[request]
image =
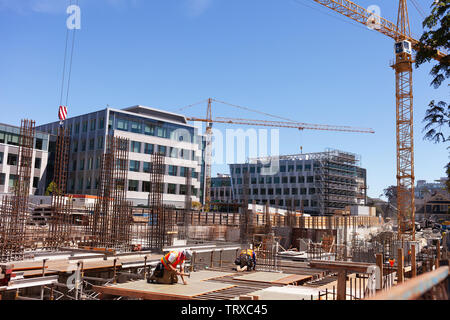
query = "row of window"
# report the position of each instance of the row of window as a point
(92, 124)
(164, 130)
(82, 146)
(13, 140)
(176, 171)
(283, 168)
(279, 191)
(288, 203)
(276, 180)
(12, 160)
(13, 180)
(148, 148)
(133, 185)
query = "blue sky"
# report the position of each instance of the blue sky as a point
(292, 58)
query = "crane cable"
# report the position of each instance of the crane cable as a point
(69, 64)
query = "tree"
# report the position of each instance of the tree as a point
(436, 36)
(51, 189)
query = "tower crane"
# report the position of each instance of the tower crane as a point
(404, 44)
(252, 122)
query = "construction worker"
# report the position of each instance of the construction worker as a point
(246, 260)
(166, 270)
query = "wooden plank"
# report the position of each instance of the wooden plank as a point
(415, 287)
(342, 285)
(295, 278)
(333, 265)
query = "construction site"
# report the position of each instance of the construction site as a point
(323, 243)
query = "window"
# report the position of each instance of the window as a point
(93, 124)
(145, 186)
(261, 180)
(278, 191)
(1, 157)
(122, 125)
(183, 171)
(312, 190)
(183, 189)
(284, 179)
(149, 130)
(100, 142)
(238, 170)
(13, 180)
(148, 148)
(172, 170)
(244, 170)
(2, 179)
(269, 180)
(77, 128)
(81, 164)
(302, 190)
(90, 164)
(75, 146)
(291, 168)
(172, 188)
(173, 152)
(91, 144)
(37, 163)
(147, 167)
(294, 191)
(252, 169)
(133, 185)
(253, 181)
(313, 203)
(301, 179)
(39, 144)
(80, 183)
(292, 179)
(307, 167)
(263, 192)
(282, 168)
(162, 150)
(97, 162)
(136, 127)
(12, 159)
(83, 145)
(255, 191)
(310, 179)
(286, 191)
(134, 165)
(276, 180)
(88, 183)
(135, 146)
(101, 123)
(74, 165)
(85, 125)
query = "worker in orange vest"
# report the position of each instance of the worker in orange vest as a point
(166, 270)
(246, 260)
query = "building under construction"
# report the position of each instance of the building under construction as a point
(322, 183)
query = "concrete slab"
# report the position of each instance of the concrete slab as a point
(263, 276)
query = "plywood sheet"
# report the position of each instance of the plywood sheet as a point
(192, 289)
(286, 293)
(293, 279)
(263, 276)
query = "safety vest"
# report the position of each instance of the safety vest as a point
(249, 252)
(166, 263)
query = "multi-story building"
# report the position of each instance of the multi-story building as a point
(322, 183)
(9, 159)
(221, 188)
(149, 130)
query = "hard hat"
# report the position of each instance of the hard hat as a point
(187, 254)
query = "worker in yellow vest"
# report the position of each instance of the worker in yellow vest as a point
(166, 270)
(246, 260)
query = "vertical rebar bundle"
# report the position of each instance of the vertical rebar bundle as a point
(188, 203)
(244, 219)
(14, 210)
(111, 223)
(156, 234)
(59, 224)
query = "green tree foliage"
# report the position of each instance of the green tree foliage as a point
(436, 36)
(51, 189)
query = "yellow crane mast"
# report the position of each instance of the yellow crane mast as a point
(404, 44)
